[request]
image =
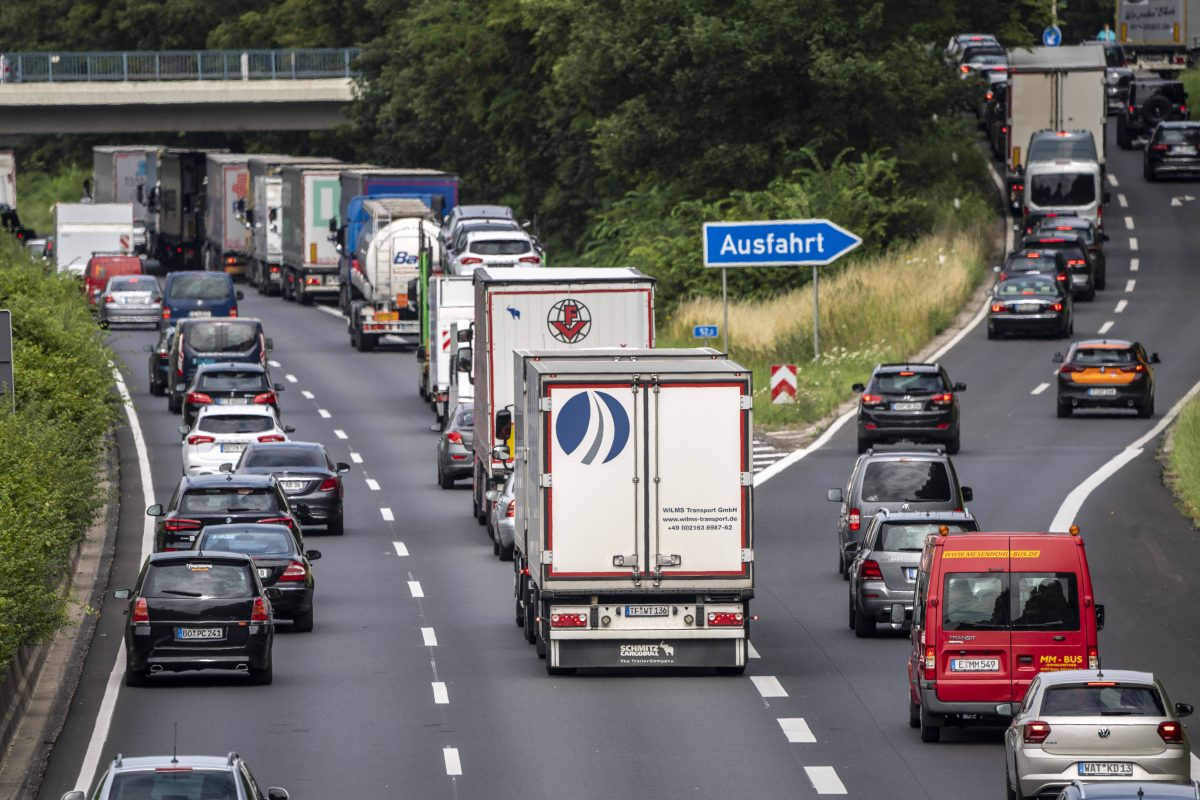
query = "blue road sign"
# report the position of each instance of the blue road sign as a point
(776, 243)
(705, 331)
(1052, 36)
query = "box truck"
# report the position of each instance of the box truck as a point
(1159, 35)
(451, 301)
(634, 523)
(8, 179)
(126, 174)
(177, 206)
(228, 243)
(308, 202)
(82, 230)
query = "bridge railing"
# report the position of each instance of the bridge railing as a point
(179, 65)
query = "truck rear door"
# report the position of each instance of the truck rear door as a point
(1030, 103)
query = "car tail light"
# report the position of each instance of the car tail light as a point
(568, 620)
(511, 511)
(276, 521)
(354, 265)
(1160, 148)
(181, 524)
(1093, 658)
(725, 618)
(1057, 306)
(1004, 129)
(108, 298)
(999, 308)
(312, 280)
(328, 485)
(470, 260)
(988, 96)
(1131, 110)
(266, 398)
(454, 437)
(166, 313)
(259, 614)
(233, 313)
(965, 69)
(296, 571)
(230, 259)
(1062, 276)
(1183, 109)
(1134, 368)
(1171, 732)
(855, 519)
(943, 399)
(1035, 732)
(872, 399)
(199, 438)
(1076, 262)
(272, 437)
(199, 398)
(869, 571)
(1069, 368)
(930, 663)
(274, 270)
(141, 612)
(529, 260)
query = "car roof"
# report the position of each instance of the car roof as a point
(230, 366)
(143, 762)
(1071, 133)
(230, 479)
(173, 556)
(483, 210)
(507, 234)
(1057, 678)
(246, 527)
(935, 454)
(238, 411)
(906, 366)
(1071, 221)
(1113, 344)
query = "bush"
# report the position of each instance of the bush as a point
(1183, 464)
(51, 443)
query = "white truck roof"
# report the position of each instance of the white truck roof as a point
(1072, 57)
(397, 207)
(94, 213)
(557, 274)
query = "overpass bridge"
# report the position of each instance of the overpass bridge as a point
(199, 90)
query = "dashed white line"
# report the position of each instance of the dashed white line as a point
(453, 762)
(1106, 327)
(324, 413)
(768, 686)
(429, 636)
(440, 695)
(341, 434)
(1129, 223)
(414, 587)
(1129, 284)
(333, 312)
(274, 363)
(306, 394)
(1134, 263)
(825, 779)
(1041, 387)
(1133, 243)
(750, 651)
(373, 484)
(1121, 306)
(386, 513)
(356, 458)
(290, 378)
(1112, 180)
(796, 730)
(401, 548)
(1123, 201)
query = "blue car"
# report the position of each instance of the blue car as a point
(208, 341)
(198, 294)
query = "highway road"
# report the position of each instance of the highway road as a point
(416, 683)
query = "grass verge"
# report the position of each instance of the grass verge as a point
(1183, 463)
(1191, 84)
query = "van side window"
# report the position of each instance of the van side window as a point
(1045, 601)
(922, 593)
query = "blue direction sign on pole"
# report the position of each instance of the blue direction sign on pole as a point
(778, 243)
(1052, 36)
(705, 331)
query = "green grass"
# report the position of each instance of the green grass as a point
(37, 192)
(1191, 83)
(1183, 464)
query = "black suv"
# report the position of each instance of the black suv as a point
(229, 383)
(1081, 270)
(913, 402)
(1088, 235)
(201, 500)
(1150, 102)
(1173, 149)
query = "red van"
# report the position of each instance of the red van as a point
(991, 611)
(100, 268)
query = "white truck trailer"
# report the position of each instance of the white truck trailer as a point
(1159, 35)
(569, 308)
(126, 174)
(8, 179)
(634, 529)
(228, 243)
(451, 300)
(83, 229)
(308, 201)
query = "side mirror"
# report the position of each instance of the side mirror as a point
(1184, 709)
(960, 387)
(492, 494)
(858, 387)
(226, 467)
(312, 555)
(270, 343)
(834, 495)
(342, 467)
(500, 453)
(503, 423)
(155, 510)
(122, 594)
(1099, 616)
(275, 793)
(1154, 359)
(1058, 358)
(333, 226)
(274, 594)
(238, 294)
(968, 494)
(279, 387)
(1004, 709)
(149, 348)
(183, 430)
(289, 428)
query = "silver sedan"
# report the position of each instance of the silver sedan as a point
(130, 300)
(502, 511)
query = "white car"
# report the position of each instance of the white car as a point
(495, 249)
(221, 433)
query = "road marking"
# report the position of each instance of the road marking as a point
(290, 378)
(1124, 202)
(768, 686)
(1133, 243)
(1112, 180)
(453, 762)
(1129, 223)
(1129, 284)
(373, 484)
(108, 704)
(1041, 387)
(341, 434)
(825, 779)
(1195, 763)
(401, 549)
(333, 312)
(796, 730)
(750, 651)
(324, 413)
(1121, 306)
(386, 513)
(415, 588)
(429, 636)
(440, 695)
(1106, 327)
(356, 458)
(306, 394)
(1134, 263)
(274, 363)
(1075, 500)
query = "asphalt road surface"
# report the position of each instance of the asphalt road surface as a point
(416, 683)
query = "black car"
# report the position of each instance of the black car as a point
(309, 478)
(1030, 303)
(1150, 101)
(1173, 149)
(1081, 271)
(281, 564)
(207, 340)
(1035, 219)
(160, 357)
(198, 610)
(229, 383)
(1031, 261)
(913, 402)
(201, 500)
(1092, 239)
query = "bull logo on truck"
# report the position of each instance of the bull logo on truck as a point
(594, 424)
(569, 320)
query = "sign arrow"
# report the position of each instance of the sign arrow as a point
(776, 243)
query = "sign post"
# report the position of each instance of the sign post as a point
(7, 386)
(776, 243)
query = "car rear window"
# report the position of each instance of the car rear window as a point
(221, 337)
(1103, 355)
(1052, 228)
(195, 784)
(1025, 263)
(1043, 601)
(1046, 601)
(283, 456)
(905, 480)
(198, 579)
(134, 283)
(236, 423)
(1052, 148)
(252, 543)
(1016, 287)
(500, 247)
(228, 500)
(200, 287)
(1063, 189)
(233, 382)
(909, 537)
(1179, 135)
(1096, 699)
(908, 382)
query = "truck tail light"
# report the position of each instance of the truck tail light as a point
(259, 613)
(199, 398)
(854, 518)
(199, 438)
(141, 615)
(1093, 658)
(1171, 732)
(1035, 732)
(568, 620)
(869, 571)
(725, 618)
(296, 571)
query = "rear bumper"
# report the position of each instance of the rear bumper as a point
(1189, 166)
(1039, 772)
(1025, 323)
(655, 651)
(880, 606)
(1077, 395)
(322, 507)
(294, 600)
(256, 654)
(980, 712)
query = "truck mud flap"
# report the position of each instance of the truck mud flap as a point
(647, 653)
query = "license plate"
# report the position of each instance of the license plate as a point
(331, 280)
(233, 447)
(200, 313)
(1028, 308)
(1102, 392)
(1105, 768)
(292, 486)
(233, 401)
(192, 634)
(386, 316)
(974, 665)
(907, 406)
(263, 572)
(647, 611)
(1079, 278)
(910, 574)
(1183, 151)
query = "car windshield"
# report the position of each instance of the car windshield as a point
(200, 287)
(1063, 189)
(233, 382)
(1189, 135)
(500, 247)
(909, 537)
(906, 481)
(221, 337)
(134, 283)
(907, 382)
(1103, 355)
(284, 456)
(194, 784)
(1052, 148)
(1015, 287)
(1043, 601)
(252, 543)
(197, 579)
(1101, 698)
(218, 500)
(235, 423)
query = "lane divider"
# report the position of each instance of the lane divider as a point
(441, 696)
(1106, 327)
(1041, 387)
(429, 636)
(324, 413)
(333, 312)
(1134, 263)
(1112, 180)
(401, 548)
(796, 730)
(750, 651)
(825, 780)
(274, 363)
(453, 762)
(1133, 245)
(356, 458)
(1129, 223)
(1123, 201)
(290, 378)
(386, 513)
(1121, 304)
(373, 484)
(1129, 284)
(415, 588)
(768, 686)
(339, 433)
(306, 394)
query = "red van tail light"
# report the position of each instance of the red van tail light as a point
(259, 614)
(1035, 732)
(1171, 732)
(1093, 658)
(869, 571)
(855, 519)
(141, 616)
(930, 663)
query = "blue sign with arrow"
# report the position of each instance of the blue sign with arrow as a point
(1052, 36)
(776, 243)
(705, 331)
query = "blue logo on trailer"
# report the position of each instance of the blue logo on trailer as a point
(575, 420)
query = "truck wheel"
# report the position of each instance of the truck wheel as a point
(864, 626)
(931, 732)
(304, 298)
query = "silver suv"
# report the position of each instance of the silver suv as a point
(180, 777)
(898, 480)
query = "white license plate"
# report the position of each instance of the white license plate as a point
(292, 486)
(974, 665)
(907, 406)
(910, 574)
(263, 572)
(187, 634)
(233, 401)
(233, 448)
(1105, 768)
(647, 611)
(201, 313)
(1028, 308)
(1079, 278)
(1183, 150)
(331, 280)
(1102, 392)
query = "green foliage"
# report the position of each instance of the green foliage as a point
(1183, 462)
(51, 444)
(37, 192)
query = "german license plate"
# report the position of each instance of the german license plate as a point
(235, 447)
(233, 401)
(1079, 278)
(910, 574)
(1102, 391)
(974, 665)
(1105, 768)
(647, 611)
(193, 634)
(264, 572)
(1028, 308)
(907, 406)
(292, 486)
(200, 313)
(1183, 150)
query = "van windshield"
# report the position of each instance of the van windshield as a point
(906, 481)
(1063, 189)
(1042, 601)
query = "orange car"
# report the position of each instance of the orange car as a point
(1108, 373)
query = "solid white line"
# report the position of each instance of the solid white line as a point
(453, 762)
(333, 312)
(401, 549)
(108, 704)
(1112, 179)
(1134, 263)
(1129, 223)
(1133, 243)
(373, 484)
(306, 394)
(768, 686)
(1041, 387)
(290, 378)
(440, 695)
(274, 363)
(796, 730)
(324, 413)
(415, 588)
(825, 779)
(341, 434)
(1129, 284)
(386, 513)
(750, 651)
(1074, 501)
(1121, 306)
(429, 636)
(356, 458)
(1123, 201)
(1106, 327)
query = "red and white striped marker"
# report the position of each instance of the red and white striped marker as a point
(783, 383)
(446, 341)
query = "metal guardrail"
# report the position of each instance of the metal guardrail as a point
(179, 65)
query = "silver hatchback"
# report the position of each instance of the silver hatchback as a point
(130, 300)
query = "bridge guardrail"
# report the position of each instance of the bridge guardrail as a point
(179, 65)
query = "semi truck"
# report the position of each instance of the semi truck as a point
(462, 382)
(1159, 35)
(546, 309)
(633, 482)
(127, 174)
(1052, 88)
(84, 229)
(451, 300)
(308, 202)
(228, 243)
(177, 206)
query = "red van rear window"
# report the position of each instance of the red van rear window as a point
(1020, 601)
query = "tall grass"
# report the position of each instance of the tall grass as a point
(1183, 464)
(879, 309)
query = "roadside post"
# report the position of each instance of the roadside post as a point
(776, 243)
(7, 386)
(783, 383)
